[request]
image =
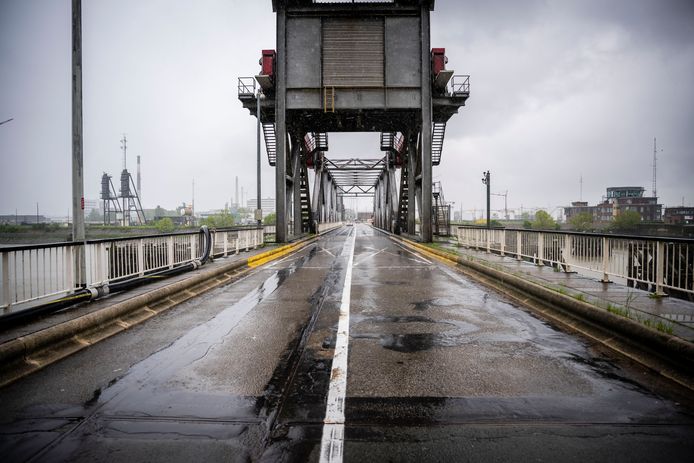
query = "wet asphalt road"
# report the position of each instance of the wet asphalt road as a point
(439, 369)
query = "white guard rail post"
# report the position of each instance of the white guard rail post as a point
(657, 264)
(33, 274)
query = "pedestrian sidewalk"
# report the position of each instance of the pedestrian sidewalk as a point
(665, 313)
(79, 310)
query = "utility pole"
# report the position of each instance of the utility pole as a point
(77, 153)
(258, 212)
(655, 159)
(487, 180)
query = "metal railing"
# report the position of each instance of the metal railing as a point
(653, 264)
(460, 85)
(246, 86)
(33, 274)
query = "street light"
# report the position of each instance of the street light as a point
(259, 211)
(487, 180)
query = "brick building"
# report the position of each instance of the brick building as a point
(618, 200)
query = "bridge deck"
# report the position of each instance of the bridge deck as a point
(439, 368)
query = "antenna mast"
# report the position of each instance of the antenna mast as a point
(655, 151)
(580, 195)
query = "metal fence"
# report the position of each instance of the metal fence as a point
(660, 265)
(32, 274)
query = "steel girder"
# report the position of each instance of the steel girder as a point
(355, 177)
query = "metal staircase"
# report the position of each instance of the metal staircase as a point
(404, 200)
(270, 142)
(387, 141)
(306, 213)
(438, 132)
(321, 141)
(442, 212)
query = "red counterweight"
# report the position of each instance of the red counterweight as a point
(438, 60)
(267, 63)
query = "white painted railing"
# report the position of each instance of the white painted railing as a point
(32, 274)
(656, 264)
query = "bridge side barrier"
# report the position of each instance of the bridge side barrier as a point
(34, 275)
(660, 265)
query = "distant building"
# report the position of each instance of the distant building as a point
(618, 200)
(21, 219)
(268, 205)
(679, 215)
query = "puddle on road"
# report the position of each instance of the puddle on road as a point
(142, 390)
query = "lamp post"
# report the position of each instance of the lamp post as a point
(487, 180)
(258, 212)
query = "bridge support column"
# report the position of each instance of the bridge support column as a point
(391, 200)
(411, 173)
(425, 139)
(318, 203)
(281, 129)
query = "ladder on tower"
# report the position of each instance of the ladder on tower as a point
(305, 198)
(270, 142)
(438, 132)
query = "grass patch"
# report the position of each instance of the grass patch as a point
(660, 325)
(579, 297)
(622, 312)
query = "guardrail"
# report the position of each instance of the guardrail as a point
(246, 87)
(33, 274)
(660, 265)
(460, 85)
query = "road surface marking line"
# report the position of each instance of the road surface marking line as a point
(332, 442)
(369, 257)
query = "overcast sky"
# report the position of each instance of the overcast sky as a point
(559, 89)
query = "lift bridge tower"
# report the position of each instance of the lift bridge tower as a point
(354, 67)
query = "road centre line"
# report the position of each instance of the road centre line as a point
(332, 442)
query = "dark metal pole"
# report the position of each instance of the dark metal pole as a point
(77, 154)
(489, 186)
(259, 207)
(486, 179)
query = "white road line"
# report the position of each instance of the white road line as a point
(332, 442)
(368, 257)
(325, 250)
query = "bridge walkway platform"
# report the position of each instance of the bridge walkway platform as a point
(674, 315)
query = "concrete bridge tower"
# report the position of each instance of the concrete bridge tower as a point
(354, 67)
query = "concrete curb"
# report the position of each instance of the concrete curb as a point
(671, 348)
(21, 349)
